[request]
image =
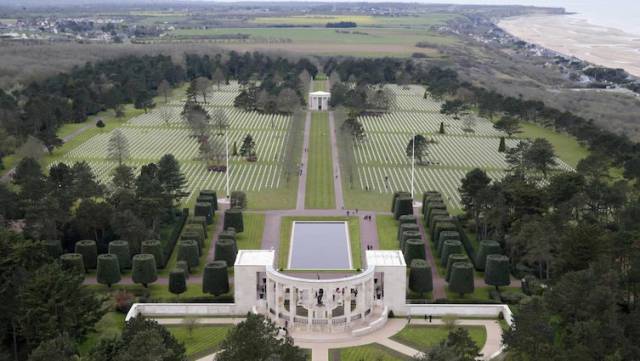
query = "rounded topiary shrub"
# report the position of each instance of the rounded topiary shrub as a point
(413, 249)
(443, 227)
(408, 218)
(397, 195)
(208, 192)
(443, 214)
(189, 252)
(432, 207)
(184, 266)
(420, 280)
(194, 232)
(445, 236)
(215, 279)
(89, 252)
(426, 196)
(154, 247)
(203, 210)
(496, 272)
(54, 248)
(233, 218)
(450, 246)
(108, 269)
(404, 206)
(408, 235)
(177, 282)
(454, 258)
(486, 248)
(72, 262)
(228, 234)
(407, 227)
(226, 250)
(143, 269)
(201, 221)
(461, 280)
(203, 198)
(433, 222)
(121, 250)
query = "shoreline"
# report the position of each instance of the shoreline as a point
(572, 36)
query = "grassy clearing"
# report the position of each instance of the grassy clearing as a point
(320, 193)
(424, 337)
(251, 238)
(387, 232)
(353, 223)
(431, 19)
(158, 291)
(567, 147)
(367, 352)
(108, 327)
(202, 341)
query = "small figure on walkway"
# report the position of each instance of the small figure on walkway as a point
(356, 210)
(409, 319)
(429, 318)
(347, 213)
(425, 317)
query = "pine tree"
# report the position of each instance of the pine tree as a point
(248, 146)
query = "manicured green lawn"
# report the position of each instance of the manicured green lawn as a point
(202, 341)
(251, 238)
(387, 232)
(424, 337)
(158, 291)
(373, 352)
(566, 147)
(354, 236)
(320, 193)
(108, 327)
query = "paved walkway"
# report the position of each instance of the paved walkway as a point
(304, 160)
(337, 177)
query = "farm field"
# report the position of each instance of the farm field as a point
(360, 20)
(383, 167)
(163, 131)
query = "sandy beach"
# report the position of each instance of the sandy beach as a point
(576, 37)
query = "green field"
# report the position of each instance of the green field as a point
(319, 192)
(387, 232)
(251, 238)
(203, 340)
(367, 352)
(353, 224)
(360, 20)
(424, 337)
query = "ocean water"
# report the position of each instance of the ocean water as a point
(620, 14)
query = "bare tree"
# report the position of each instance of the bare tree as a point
(469, 122)
(287, 101)
(202, 86)
(334, 78)
(220, 121)
(164, 89)
(118, 146)
(218, 77)
(305, 81)
(165, 114)
(32, 148)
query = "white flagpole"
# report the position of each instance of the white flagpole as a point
(413, 165)
(226, 141)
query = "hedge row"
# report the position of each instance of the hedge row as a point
(170, 243)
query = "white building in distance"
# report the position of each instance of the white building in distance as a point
(319, 100)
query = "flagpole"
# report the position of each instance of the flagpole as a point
(413, 165)
(226, 141)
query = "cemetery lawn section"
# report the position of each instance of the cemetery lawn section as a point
(424, 337)
(319, 188)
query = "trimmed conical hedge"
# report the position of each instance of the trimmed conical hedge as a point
(184, 266)
(89, 252)
(404, 206)
(226, 250)
(144, 269)
(188, 251)
(108, 269)
(406, 227)
(193, 231)
(453, 258)
(73, 262)
(496, 272)
(397, 195)
(215, 279)
(461, 281)
(444, 236)
(442, 227)
(420, 280)
(154, 247)
(450, 246)
(204, 210)
(432, 207)
(54, 248)
(413, 249)
(202, 221)
(426, 198)
(443, 214)
(228, 234)
(177, 281)
(208, 199)
(233, 218)
(121, 250)
(208, 192)
(408, 218)
(486, 248)
(408, 235)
